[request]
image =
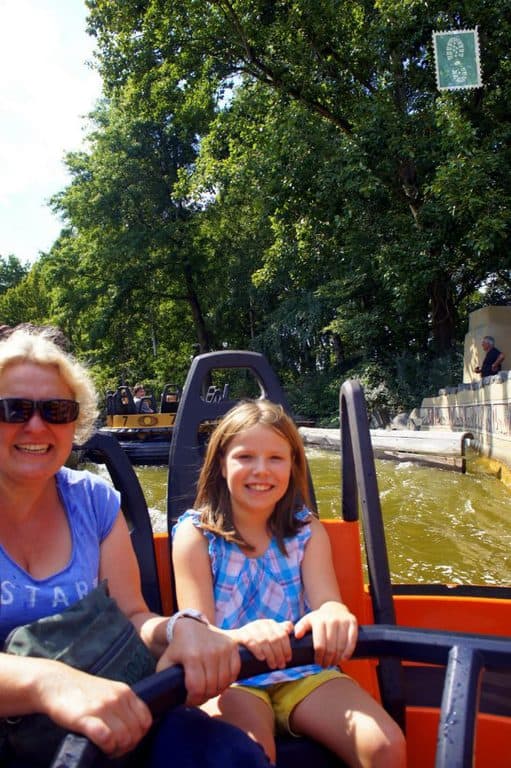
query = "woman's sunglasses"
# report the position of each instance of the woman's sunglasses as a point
(17, 410)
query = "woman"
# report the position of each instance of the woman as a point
(61, 532)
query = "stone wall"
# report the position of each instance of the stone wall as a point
(480, 406)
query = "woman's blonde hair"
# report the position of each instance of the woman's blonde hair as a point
(38, 346)
(213, 497)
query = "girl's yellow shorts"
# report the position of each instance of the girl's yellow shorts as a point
(283, 697)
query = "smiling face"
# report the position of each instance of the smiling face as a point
(33, 451)
(257, 467)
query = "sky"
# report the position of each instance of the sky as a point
(46, 91)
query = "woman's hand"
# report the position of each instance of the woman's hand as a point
(210, 658)
(334, 632)
(106, 711)
(267, 640)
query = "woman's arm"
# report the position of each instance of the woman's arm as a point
(105, 711)
(118, 564)
(333, 626)
(210, 658)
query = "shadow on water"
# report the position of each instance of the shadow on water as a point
(441, 526)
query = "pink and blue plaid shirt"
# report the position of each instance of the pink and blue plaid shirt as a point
(266, 587)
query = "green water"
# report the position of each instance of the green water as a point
(440, 525)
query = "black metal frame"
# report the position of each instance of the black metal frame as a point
(106, 449)
(468, 654)
(186, 449)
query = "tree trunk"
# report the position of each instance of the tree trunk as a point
(337, 348)
(443, 314)
(198, 317)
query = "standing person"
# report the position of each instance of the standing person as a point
(61, 532)
(138, 398)
(492, 362)
(256, 562)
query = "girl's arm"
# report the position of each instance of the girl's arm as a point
(192, 570)
(333, 626)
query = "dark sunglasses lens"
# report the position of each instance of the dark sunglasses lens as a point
(59, 411)
(16, 410)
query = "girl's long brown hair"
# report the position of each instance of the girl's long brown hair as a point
(213, 499)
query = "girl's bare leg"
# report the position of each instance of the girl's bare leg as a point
(248, 712)
(348, 721)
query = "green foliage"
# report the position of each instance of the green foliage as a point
(26, 299)
(316, 396)
(416, 377)
(132, 272)
(284, 177)
(12, 271)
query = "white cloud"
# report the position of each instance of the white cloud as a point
(46, 89)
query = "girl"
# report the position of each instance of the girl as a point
(257, 563)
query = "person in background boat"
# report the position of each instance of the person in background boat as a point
(138, 395)
(61, 531)
(493, 359)
(254, 559)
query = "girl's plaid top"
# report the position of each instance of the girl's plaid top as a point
(266, 587)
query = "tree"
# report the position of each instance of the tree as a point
(26, 296)
(12, 271)
(130, 238)
(432, 165)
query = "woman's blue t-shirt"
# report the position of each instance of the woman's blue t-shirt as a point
(91, 505)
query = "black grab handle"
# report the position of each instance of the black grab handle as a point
(464, 656)
(162, 692)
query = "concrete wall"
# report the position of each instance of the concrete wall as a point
(481, 406)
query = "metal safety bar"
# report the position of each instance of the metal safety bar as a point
(464, 655)
(360, 489)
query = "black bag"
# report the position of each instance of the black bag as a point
(93, 635)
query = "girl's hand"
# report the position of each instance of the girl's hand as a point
(334, 632)
(268, 640)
